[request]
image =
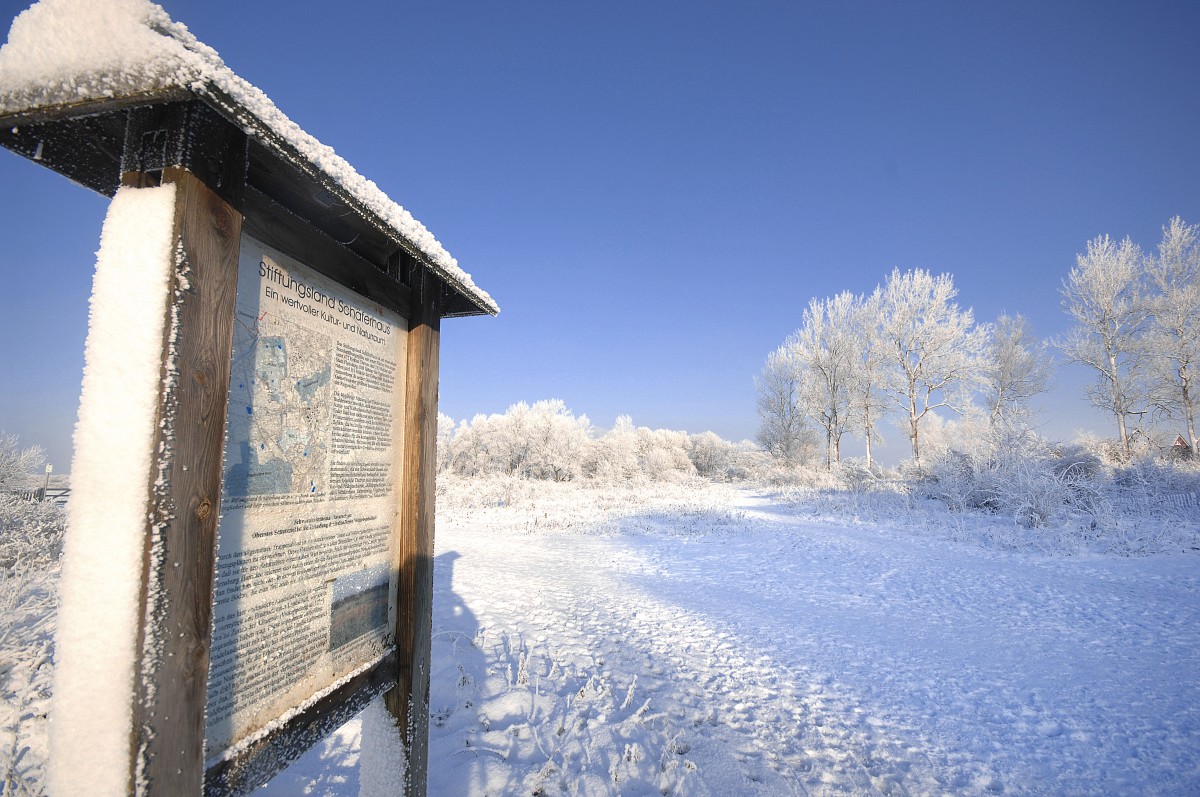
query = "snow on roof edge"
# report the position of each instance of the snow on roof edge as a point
(76, 53)
(322, 161)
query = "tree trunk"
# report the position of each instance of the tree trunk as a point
(1119, 405)
(1188, 412)
(914, 425)
(916, 444)
(1191, 424)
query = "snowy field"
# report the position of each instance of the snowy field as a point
(709, 640)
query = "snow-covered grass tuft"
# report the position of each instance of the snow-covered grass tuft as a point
(31, 535)
(30, 542)
(512, 503)
(1050, 503)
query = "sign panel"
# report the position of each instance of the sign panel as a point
(311, 484)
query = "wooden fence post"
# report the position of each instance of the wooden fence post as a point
(185, 490)
(408, 701)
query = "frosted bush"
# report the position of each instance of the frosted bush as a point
(958, 482)
(31, 533)
(30, 543)
(628, 454)
(1011, 471)
(1157, 477)
(1078, 460)
(848, 490)
(17, 465)
(1034, 490)
(546, 441)
(1153, 504)
(460, 495)
(1109, 451)
(28, 598)
(712, 457)
(855, 476)
(542, 441)
(775, 474)
(913, 473)
(1034, 494)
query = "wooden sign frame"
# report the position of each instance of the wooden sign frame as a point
(228, 182)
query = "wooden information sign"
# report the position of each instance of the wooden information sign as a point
(305, 593)
(288, 541)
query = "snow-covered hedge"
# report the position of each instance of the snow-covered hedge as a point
(1039, 484)
(546, 441)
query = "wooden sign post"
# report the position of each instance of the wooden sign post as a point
(287, 554)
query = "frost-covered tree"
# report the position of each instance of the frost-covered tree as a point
(628, 453)
(1019, 368)
(934, 349)
(556, 441)
(710, 455)
(1106, 295)
(782, 432)
(613, 459)
(30, 531)
(445, 438)
(663, 454)
(546, 441)
(1174, 336)
(468, 454)
(824, 348)
(868, 399)
(721, 460)
(17, 464)
(714, 458)
(542, 441)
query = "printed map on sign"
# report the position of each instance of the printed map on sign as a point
(279, 408)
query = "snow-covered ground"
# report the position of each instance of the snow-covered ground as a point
(726, 643)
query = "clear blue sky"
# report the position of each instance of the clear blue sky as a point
(653, 191)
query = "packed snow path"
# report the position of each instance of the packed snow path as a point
(755, 651)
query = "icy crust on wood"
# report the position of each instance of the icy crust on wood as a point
(91, 716)
(77, 52)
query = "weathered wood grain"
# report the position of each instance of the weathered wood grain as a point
(185, 491)
(409, 701)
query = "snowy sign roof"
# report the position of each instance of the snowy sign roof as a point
(81, 59)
